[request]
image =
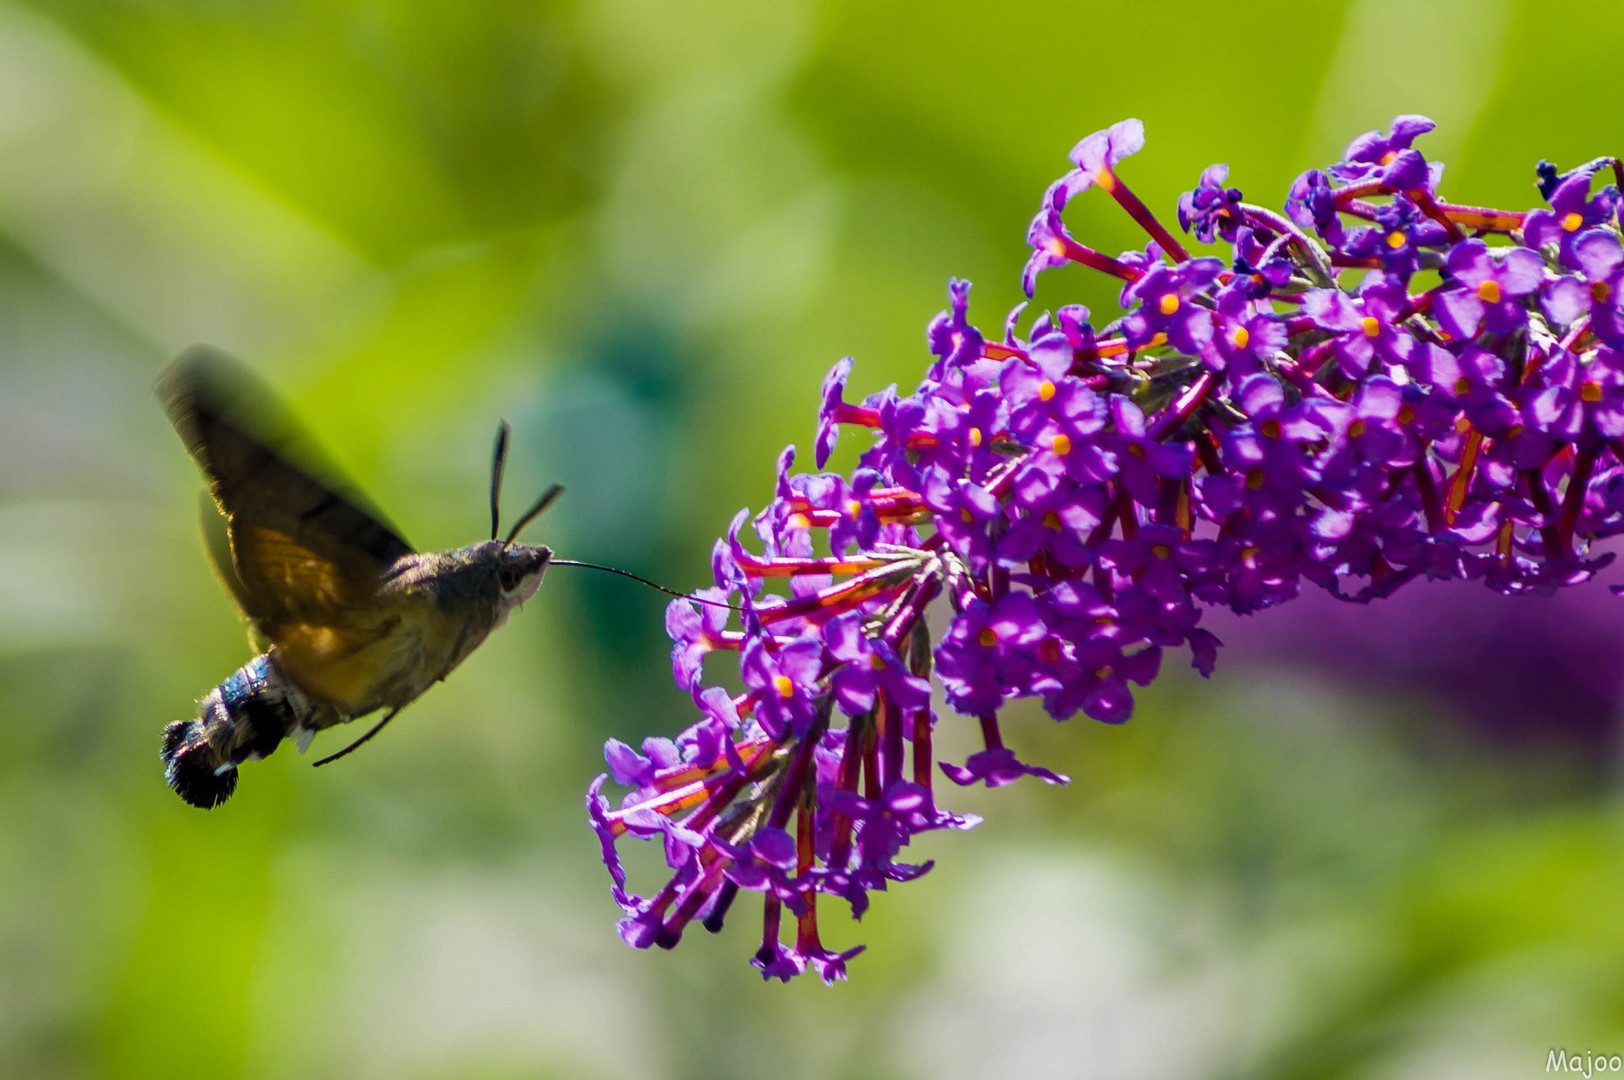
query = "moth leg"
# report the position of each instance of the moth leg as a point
(388, 716)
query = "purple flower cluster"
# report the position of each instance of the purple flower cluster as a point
(1374, 386)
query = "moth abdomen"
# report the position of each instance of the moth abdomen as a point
(247, 716)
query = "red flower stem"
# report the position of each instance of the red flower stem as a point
(1170, 419)
(891, 751)
(1483, 218)
(715, 792)
(1138, 211)
(851, 763)
(923, 590)
(1502, 543)
(992, 350)
(678, 775)
(790, 794)
(1427, 486)
(827, 603)
(806, 930)
(860, 415)
(1575, 332)
(1313, 358)
(1423, 198)
(1551, 531)
(766, 568)
(1000, 482)
(1067, 248)
(1111, 347)
(922, 747)
(1573, 501)
(990, 734)
(699, 891)
(1357, 191)
(772, 913)
(871, 759)
(724, 900)
(1283, 225)
(1463, 476)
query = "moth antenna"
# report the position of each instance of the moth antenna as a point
(644, 581)
(533, 513)
(498, 466)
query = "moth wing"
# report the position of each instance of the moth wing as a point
(338, 658)
(301, 548)
(217, 544)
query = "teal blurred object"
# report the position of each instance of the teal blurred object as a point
(651, 228)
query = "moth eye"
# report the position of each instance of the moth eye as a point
(509, 578)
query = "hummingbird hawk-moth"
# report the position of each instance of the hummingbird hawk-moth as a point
(346, 617)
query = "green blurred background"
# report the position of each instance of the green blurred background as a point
(642, 231)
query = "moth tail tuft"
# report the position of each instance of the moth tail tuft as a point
(192, 768)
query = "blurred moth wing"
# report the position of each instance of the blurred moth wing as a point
(303, 557)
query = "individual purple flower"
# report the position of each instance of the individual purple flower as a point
(784, 682)
(1492, 288)
(1370, 432)
(869, 667)
(998, 767)
(1247, 334)
(1142, 462)
(989, 652)
(1099, 682)
(833, 412)
(1058, 520)
(1573, 209)
(1400, 241)
(1595, 291)
(1272, 442)
(1164, 306)
(1311, 204)
(1058, 422)
(696, 629)
(953, 341)
(1159, 560)
(1373, 155)
(1365, 325)
(1518, 432)
(1095, 157)
(1600, 389)
(1208, 210)
(964, 512)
